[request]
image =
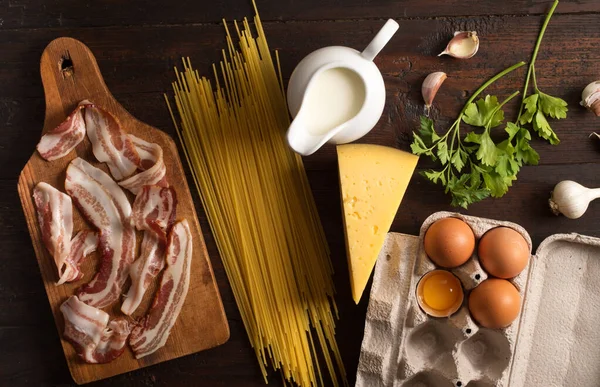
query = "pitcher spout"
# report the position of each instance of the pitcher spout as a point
(303, 141)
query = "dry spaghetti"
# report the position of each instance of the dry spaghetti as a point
(260, 207)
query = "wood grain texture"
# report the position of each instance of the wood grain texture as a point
(202, 323)
(141, 69)
(137, 46)
(76, 13)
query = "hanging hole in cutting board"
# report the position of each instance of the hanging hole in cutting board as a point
(65, 65)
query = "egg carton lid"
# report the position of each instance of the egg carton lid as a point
(558, 343)
(559, 340)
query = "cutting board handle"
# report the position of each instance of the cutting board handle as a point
(69, 74)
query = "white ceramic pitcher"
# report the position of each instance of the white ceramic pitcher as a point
(336, 94)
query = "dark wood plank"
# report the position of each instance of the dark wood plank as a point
(73, 13)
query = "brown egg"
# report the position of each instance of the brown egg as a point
(449, 242)
(495, 303)
(503, 252)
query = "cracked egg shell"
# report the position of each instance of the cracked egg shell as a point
(440, 293)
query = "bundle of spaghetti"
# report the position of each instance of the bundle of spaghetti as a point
(260, 207)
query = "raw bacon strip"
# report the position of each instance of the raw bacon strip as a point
(112, 188)
(112, 342)
(150, 262)
(55, 215)
(95, 339)
(154, 329)
(61, 140)
(152, 164)
(110, 143)
(82, 245)
(153, 211)
(103, 203)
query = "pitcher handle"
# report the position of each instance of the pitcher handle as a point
(380, 40)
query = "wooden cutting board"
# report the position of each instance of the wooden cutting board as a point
(70, 74)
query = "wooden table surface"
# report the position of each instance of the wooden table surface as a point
(137, 43)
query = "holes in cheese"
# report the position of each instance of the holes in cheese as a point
(373, 180)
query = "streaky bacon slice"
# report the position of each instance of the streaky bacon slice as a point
(61, 140)
(104, 204)
(55, 216)
(152, 164)
(154, 211)
(82, 245)
(94, 337)
(110, 143)
(110, 186)
(154, 329)
(150, 262)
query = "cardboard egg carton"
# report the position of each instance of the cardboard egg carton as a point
(551, 343)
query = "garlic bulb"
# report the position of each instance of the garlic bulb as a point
(463, 45)
(590, 97)
(431, 85)
(571, 199)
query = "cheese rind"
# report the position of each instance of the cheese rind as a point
(373, 180)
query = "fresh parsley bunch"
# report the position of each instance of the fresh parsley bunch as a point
(475, 167)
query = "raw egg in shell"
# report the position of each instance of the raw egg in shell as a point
(495, 303)
(449, 242)
(503, 252)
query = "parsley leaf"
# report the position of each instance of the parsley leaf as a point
(427, 131)
(552, 106)
(487, 151)
(537, 107)
(543, 129)
(512, 130)
(434, 176)
(485, 112)
(530, 104)
(463, 195)
(459, 159)
(442, 152)
(524, 153)
(507, 165)
(497, 184)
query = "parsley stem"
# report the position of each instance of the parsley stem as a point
(513, 95)
(534, 80)
(485, 85)
(535, 53)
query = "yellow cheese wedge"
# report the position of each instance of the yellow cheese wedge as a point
(373, 181)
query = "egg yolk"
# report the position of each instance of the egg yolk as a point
(441, 291)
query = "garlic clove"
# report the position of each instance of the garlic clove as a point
(590, 97)
(463, 45)
(431, 85)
